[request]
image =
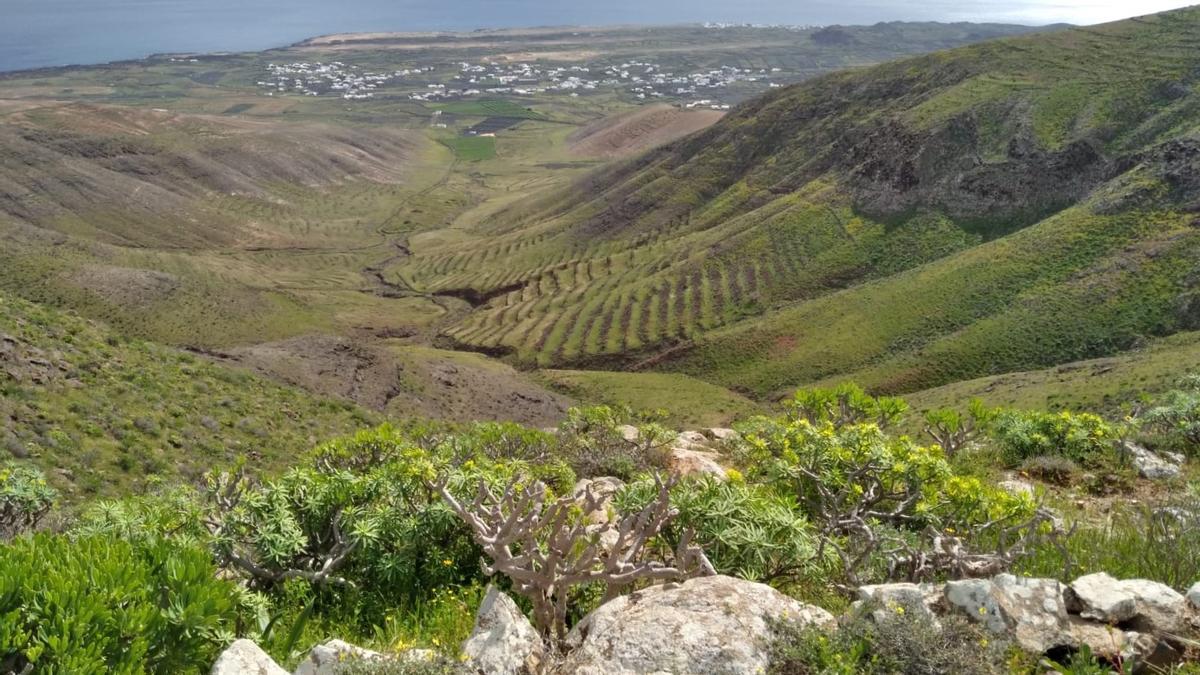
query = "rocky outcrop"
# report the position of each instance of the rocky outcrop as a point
(503, 641)
(243, 657)
(691, 454)
(1150, 465)
(715, 624)
(924, 599)
(1099, 597)
(324, 659)
(1031, 611)
(1193, 596)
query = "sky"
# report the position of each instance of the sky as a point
(57, 32)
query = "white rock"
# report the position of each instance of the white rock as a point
(1173, 457)
(691, 438)
(1016, 487)
(921, 598)
(1101, 598)
(629, 432)
(324, 659)
(687, 462)
(243, 657)
(719, 434)
(707, 625)
(503, 641)
(1160, 609)
(1193, 596)
(1148, 464)
(1031, 611)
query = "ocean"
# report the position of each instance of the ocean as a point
(37, 33)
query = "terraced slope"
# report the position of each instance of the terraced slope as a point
(1007, 205)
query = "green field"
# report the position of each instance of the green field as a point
(472, 148)
(687, 403)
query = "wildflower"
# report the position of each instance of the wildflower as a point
(447, 562)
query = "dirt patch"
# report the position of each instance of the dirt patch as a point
(328, 365)
(404, 382)
(631, 133)
(470, 387)
(125, 286)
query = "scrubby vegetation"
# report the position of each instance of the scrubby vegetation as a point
(111, 415)
(378, 537)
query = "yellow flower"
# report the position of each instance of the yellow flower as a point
(982, 610)
(447, 562)
(983, 643)
(899, 610)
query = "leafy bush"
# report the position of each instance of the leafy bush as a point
(100, 604)
(592, 442)
(748, 531)
(844, 405)
(875, 499)
(25, 499)
(952, 430)
(899, 643)
(1080, 437)
(1175, 417)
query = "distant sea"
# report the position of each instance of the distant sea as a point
(37, 33)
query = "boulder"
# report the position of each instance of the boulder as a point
(1160, 609)
(1148, 464)
(722, 435)
(690, 439)
(1106, 642)
(1173, 457)
(629, 432)
(243, 657)
(924, 599)
(715, 624)
(1100, 597)
(324, 659)
(1019, 488)
(503, 641)
(1031, 611)
(1193, 596)
(687, 462)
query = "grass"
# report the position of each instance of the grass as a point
(687, 402)
(1104, 384)
(112, 415)
(472, 148)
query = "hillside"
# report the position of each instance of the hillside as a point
(106, 415)
(1002, 206)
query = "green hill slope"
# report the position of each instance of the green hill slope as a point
(104, 415)
(1007, 205)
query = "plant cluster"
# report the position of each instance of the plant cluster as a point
(25, 499)
(100, 604)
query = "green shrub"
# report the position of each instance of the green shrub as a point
(900, 643)
(844, 405)
(748, 531)
(872, 497)
(25, 499)
(1080, 437)
(1175, 417)
(99, 604)
(590, 440)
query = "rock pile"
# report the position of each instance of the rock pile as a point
(721, 624)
